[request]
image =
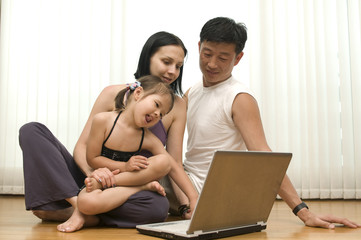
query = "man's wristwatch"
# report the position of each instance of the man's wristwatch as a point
(299, 207)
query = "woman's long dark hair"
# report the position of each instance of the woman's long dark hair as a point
(151, 46)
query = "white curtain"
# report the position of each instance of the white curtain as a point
(305, 67)
(302, 60)
(56, 56)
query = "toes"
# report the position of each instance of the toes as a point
(60, 228)
(67, 229)
(69, 226)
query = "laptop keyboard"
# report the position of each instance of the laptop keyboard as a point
(175, 226)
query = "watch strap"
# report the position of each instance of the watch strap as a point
(299, 207)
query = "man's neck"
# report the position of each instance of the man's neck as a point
(214, 83)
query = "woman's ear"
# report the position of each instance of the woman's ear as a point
(138, 93)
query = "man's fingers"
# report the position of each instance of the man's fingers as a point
(329, 222)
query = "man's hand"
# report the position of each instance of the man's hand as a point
(324, 221)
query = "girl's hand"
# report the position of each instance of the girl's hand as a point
(136, 163)
(105, 177)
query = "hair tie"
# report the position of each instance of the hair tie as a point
(133, 86)
(130, 87)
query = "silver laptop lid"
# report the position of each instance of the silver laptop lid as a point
(240, 189)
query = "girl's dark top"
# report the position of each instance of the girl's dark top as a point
(119, 155)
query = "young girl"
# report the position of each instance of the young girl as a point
(117, 137)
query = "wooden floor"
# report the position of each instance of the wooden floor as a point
(16, 223)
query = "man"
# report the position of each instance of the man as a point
(222, 114)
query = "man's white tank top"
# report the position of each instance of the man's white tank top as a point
(210, 126)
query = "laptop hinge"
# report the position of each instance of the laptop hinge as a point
(262, 223)
(198, 232)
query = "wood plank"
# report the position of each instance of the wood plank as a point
(16, 223)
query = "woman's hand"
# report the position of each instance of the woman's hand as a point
(136, 163)
(105, 177)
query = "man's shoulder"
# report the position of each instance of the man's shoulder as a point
(239, 87)
(196, 87)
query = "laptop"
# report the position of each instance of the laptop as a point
(237, 197)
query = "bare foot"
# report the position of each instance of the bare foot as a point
(60, 215)
(155, 187)
(92, 184)
(77, 221)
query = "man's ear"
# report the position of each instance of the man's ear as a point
(138, 93)
(238, 58)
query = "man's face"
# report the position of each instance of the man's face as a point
(216, 61)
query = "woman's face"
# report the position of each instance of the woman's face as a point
(166, 63)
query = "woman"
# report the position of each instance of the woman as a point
(53, 176)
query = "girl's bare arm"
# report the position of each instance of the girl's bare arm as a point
(95, 141)
(104, 103)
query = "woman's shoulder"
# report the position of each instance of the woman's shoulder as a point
(179, 102)
(105, 100)
(177, 114)
(104, 117)
(112, 89)
(179, 106)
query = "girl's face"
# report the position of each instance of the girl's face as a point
(166, 63)
(150, 109)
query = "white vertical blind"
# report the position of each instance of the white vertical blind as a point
(350, 92)
(305, 69)
(55, 58)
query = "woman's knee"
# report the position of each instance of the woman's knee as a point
(158, 209)
(29, 130)
(154, 207)
(141, 208)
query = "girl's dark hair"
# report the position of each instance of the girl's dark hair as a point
(226, 30)
(151, 46)
(151, 85)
